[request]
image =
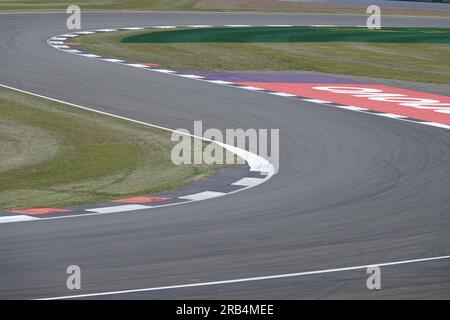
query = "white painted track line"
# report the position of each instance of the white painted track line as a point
(16, 218)
(278, 276)
(203, 195)
(248, 182)
(124, 208)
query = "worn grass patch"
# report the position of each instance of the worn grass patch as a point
(212, 5)
(423, 62)
(55, 155)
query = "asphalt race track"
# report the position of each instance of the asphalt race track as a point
(353, 189)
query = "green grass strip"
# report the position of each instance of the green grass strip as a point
(293, 34)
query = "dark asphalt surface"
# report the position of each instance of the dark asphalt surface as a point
(353, 189)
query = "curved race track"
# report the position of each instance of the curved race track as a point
(353, 189)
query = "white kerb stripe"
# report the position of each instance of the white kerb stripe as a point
(279, 25)
(439, 125)
(203, 195)
(316, 101)
(132, 28)
(251, 88)
(137, 65)
(352, 108)
(86, 32)
(89, 55)
(391, 115)
(261, 278)
(17, 218)
(164, 70)
(248, 182)
(191, 76)
(199, 26)
(128, 207)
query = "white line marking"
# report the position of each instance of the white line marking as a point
(17, 218)
(237, 25)
(124, 208)
(353, 108)
(132, 28)
(283, 94)
(105, 30)
(248, 182)
(68, 35)
(251, 88)
(163, 27)
(72, 51)
(203, 195)
(191, 76)
(316, 101)
(90, 55)
(279, 25)
(199, 26)
(113, 60)
(58, 39)
(136, 65)
(278, 276)
(164, 70)
(439, 125)
(59, 46)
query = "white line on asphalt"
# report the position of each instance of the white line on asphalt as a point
(353, 108)
(136, 65)
(105, 30)
(220, 82)
(89, 55)
(124, 208)
(17, 218)
(316, 101)
(164, 70)
(283, 94)
(113, 60)
(247, 156)
(251, 88)
(248, 182)
(439, 125)
(278, 276)
(191, 76)
(203, 195)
